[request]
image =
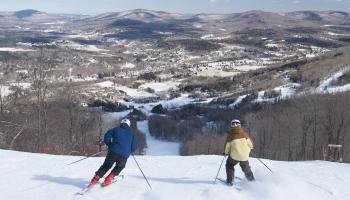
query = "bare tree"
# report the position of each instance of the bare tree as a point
(40, 83)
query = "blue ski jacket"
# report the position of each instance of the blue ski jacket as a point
(121, 140)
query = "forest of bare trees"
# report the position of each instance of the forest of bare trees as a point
(301, 128)
(296, 129)
(50, 119)
(66, 128)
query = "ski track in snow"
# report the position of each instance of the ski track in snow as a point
(42, 177)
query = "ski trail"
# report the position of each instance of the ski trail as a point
(157, 147)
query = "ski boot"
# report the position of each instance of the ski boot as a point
(108, 180)
(94, 180)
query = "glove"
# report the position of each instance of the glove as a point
(110, 142)
(99, 143)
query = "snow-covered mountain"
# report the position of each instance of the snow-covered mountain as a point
(31, 17)
(142, 15)
(42, 177)
(325, 16)
(28, 13)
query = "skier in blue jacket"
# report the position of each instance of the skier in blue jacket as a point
(121, 143)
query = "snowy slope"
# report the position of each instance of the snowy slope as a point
(157, 147)
(41, 177)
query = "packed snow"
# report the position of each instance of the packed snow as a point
(11, 49)
(286, 91)
(326, 85)
(160, 86)
(92, 48)
(42, 177)
(129, 91)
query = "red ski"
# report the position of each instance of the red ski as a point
(89, 187)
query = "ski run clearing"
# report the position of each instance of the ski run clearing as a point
(41, 177)
(157, 147)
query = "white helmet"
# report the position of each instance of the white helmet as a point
(235, 121)
(125, 121)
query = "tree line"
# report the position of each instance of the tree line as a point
(302, 127)
(299, 128)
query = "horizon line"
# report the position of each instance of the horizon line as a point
(183, 13)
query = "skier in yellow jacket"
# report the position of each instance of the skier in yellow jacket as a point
(238, 146)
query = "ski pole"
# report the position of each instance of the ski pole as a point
(141, 171)
(86, 157)
(263, 163)
(219, 169)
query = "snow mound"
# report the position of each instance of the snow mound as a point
(41, 177)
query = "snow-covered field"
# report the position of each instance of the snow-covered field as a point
(41, 177)
(10, 49)
(161, 86)
(129, 91)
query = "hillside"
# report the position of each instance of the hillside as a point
(41, 177)
(179, 77)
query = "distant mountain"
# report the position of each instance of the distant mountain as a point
(169, 23)
(337, 17)
(33, 17)
(305, 15)
(257, 19)
(149, 16)
(28, 13)
(141, 22)
(141, 15)
(208, 17)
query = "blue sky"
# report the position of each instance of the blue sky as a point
(179, 6)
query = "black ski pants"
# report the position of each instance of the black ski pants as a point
(112, 158)
(230, 169)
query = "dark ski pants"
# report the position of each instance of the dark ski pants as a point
(230, 169)
(112, 158)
